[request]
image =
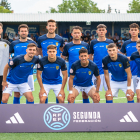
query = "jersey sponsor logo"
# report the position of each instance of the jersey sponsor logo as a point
(57, 67)
(57, 117)
(102, 46)
(24, 46)
(21, 66)
(71, 70)
(11, 62)
(89, 72)
(120, 65)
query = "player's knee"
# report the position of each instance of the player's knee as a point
(30, 99)
(42, 100)
(84, 95)
(96, 98)
(70, 99)
(17, 94)
(4, 99)
(138, 98)
(61, 99)
(130, 98)
(109, 97)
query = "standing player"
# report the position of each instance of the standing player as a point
(4, 57)
(72, 51)
(19, 47)
(50, 39)
(136, 57)
(21, 67)
(98, 47)
(129, 47)
(51, 66)
(81, 73)
(119, 67)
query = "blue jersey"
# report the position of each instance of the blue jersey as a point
(51, 70)
(99, 49)
(17, 47)
(44, 42)
(83, 75)
(117, 68)
(129, 47)
(20, 69)
(136, 57)
(72, 51)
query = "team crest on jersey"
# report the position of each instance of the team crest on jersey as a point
(11, 62)
(89, 72)
(82, 47)
(120, 65)
(106, 46)
(31, 65)
(5, 45)
(57, 67)
(128, 63)
(56, 43)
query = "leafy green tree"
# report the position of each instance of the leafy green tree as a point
(77, 6)
(134, 7)
(3, 10)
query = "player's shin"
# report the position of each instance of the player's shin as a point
(138, 95)
(85, 98)
(16, 98)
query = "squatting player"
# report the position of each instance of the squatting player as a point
(129, 47)
(72, 51)
(50, 39)
(19, 47)
(119, 67)
(4, 56)
(21, 67)
(50, 67)
(136, 57)
(81, 73)
(98, 47)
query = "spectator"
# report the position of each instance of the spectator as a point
(109, 36)
(92, 37)
(83, 36)
(120, 42)
(16, 37)
(36, 37)
(65, 35)
(43, 31)
(6, 36)
(60, 34)
(88, 36)
(32, 37)
(117, 37)
(87, 40)
(115, 40)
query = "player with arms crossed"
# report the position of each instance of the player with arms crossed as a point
(136, 57)
(81, 73)
(119, 67)
(72, 51)
(4, 57)
(19, 47)
(98, 47)
(50, 39)
(49, 67)
(129, 47)
(21, 67)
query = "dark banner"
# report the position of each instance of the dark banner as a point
(69, 117)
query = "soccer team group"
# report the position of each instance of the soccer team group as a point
(91, 67)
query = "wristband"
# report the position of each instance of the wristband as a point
(70, 92)
(128, 87)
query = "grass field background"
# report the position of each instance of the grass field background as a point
(71, 136)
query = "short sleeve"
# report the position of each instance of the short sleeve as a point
(64, 66)
(96, 71)
(91, 48)
(123, 50)
(126, 63)
(13, 63)
(65, 51)
(39, 66)
(62, 43)
(39, 43)
(72, 70)
(104, 64)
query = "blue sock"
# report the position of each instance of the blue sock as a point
(109, 101)
(46, 101)
(86, 100)
(130, 101)
(3, 103)
(16, 100)
(29, 102)
(57, 101)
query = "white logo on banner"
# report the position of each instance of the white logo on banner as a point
(10, 32)
(15, 119)
(129, 118)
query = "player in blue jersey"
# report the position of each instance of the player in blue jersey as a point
(135, 56)
(21, 67)
(81, 73)
(98, 47)
(19, 47)
(72, 51)
(50, 39)
(119, 67)
(129, 47)
(50, 68)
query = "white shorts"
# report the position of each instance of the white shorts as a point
(30, 83)
(85, 89)
(115, 86)
(103, 82)
(138, 83)
(23, 88)
(134, 82)
(55, 88)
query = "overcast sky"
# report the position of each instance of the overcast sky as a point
(35, 6)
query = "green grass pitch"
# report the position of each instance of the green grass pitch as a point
(71, 136)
